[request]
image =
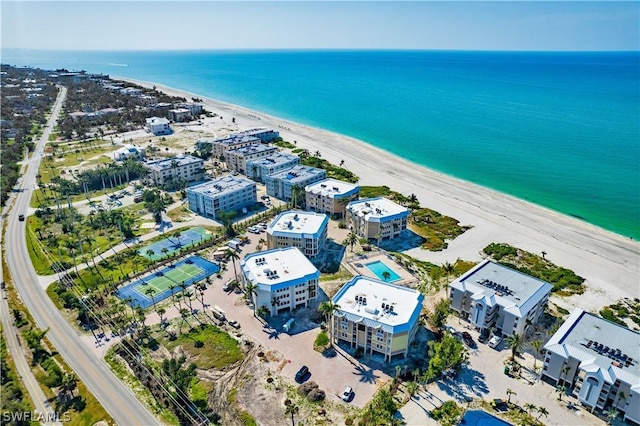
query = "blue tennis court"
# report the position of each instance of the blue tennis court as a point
(173, 242)
(161, 284)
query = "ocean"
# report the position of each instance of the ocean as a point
(559, 129)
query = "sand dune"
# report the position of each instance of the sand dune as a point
(611, 263)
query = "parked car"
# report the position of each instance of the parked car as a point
(302, 374)
(234, 324)
(484, 335)
(495, 341)
(468, 340)
(346, 394)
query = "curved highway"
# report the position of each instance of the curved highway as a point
(114, 396)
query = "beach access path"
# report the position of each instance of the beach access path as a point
(609, 262)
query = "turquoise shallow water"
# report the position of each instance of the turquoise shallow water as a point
(557, 129)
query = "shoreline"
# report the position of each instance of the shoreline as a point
(610, 262)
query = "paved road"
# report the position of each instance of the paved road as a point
(116, 398)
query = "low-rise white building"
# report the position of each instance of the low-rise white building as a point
(377, 218)
(128, 151)
(258, 170)
(297, 228)
(158, 126)
(183, 168)
(376, 316)
(218, 147)
(265, 135)
(179, 115)
(284, 278)
(493, 296)
(225, 194)
(237, 158)
(280, 184)
(330, 196)
(598, 361)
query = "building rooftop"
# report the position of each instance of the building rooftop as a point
(278, 268)
(333, 188)
(376, 208)
(274, 159)
(493, 283)
(167, 163)
(235, 139)
(391, 307)
(298, 174)
(600, 345)
(221, 186)
(254, 148)
(298, 222)
(156, 121)
(256, 131)
(180, 110)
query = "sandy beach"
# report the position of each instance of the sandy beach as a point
(609, 262)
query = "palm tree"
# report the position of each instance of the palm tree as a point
(612, 414)
(292, 409)
(184, 313)
(412, 388)
(69, 383)
(151, 292)
(542, 412)
(161, 313)
(509, 393)
(250, 290)
(530, 408)
(560, 390)
(150, 253)
(263, 311)
(328, 308)
(386, 275)
(514, 342)
(536, 345)
(231, 254)
(378, 237)
(351, 239)
(164, 251)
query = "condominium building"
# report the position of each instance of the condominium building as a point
(238, 158)
(598, 361)
(225, 194)
(158, 126)
(179, 114)
(276, 162)
(185, 168)
(280, 184)
(377, 316)
(218, 147)
(296, 228)
(265, 135)
(194, 109)
(493, 296)
(330, 196)
(284, 278)
(378, 218)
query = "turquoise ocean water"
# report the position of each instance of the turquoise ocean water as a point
(561, 130)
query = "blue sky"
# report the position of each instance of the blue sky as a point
(475, 25)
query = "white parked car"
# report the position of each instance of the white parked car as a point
(495, 341)
(234, 324)
(346, 394)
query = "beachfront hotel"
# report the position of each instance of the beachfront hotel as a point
(186, 168)
(599, 361)
(228, 193)
(284, 278)
(297, 228)
(218, 147)
(493, 296)
(265, 135)
(259, 169)
(280, 184)
(376, 218)
(237, 158)
(377, 316)
(158, 126)
(330, 196)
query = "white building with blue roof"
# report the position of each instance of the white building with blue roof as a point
(225, 194)
(491, 295)
(377, 217)
(284, 278)
(259, 169)
(238, 158)
(185, 168)
(377, 316)
(280, 184)
(297, 228)
(599, 361)
(330, 196)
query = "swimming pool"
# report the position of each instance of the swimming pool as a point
(379, 268)
(481, 418)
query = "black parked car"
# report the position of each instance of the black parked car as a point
(484, 336)
(468, 340)
(302, 374)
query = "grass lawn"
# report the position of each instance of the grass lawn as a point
(342, 274)
(219, 348)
